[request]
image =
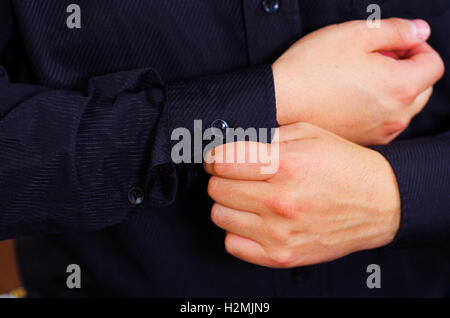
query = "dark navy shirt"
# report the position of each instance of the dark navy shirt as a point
(86, 176)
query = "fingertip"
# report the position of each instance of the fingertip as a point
(210, 158)
(208, 161)
(399, 34)
(243, 248)
(421, 29)
(208, 167)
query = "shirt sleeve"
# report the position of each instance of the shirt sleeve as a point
(68, 160)
(422, 168)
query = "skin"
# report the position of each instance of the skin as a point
(360, 83)
(330, 196)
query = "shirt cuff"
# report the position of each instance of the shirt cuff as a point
(242, 99)
(423, 175)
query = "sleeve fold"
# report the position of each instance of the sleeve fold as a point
(68, 159)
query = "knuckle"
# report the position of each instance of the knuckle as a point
(380, 141)
(288, 166)
(284, 205)
(271, 203)
(406, 94)
(440, 65)
(380, 137)
(282, 257)
(279, 235)
(229, 246)
(401, 124)
(385, 140)
(396, 127)
(428, 96)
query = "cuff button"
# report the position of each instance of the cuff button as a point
(220, 124)
(271, 6)
(136, 196)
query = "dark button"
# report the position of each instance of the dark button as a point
(136, 196)
(167, 169)
(271, 6)
(220, 123)
(300, 274)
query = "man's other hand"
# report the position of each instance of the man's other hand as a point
(363, 84)
(329, 198)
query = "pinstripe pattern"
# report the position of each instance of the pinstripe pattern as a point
(81, 150)
(86, 114)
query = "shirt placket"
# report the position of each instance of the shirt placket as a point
(271, 27)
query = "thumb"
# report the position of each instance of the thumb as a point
(397, 34)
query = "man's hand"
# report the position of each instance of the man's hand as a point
(329, 198)
(360, 83)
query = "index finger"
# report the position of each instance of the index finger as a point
(423, 68)
(243, 160)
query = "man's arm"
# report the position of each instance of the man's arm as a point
(68, 160)
(330, 197)
(422, 168)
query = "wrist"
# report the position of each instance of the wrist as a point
(281, 87)
(390, 203)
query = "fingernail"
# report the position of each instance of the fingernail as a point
(209, 156)
(422, 29)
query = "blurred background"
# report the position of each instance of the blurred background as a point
(9, 275)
